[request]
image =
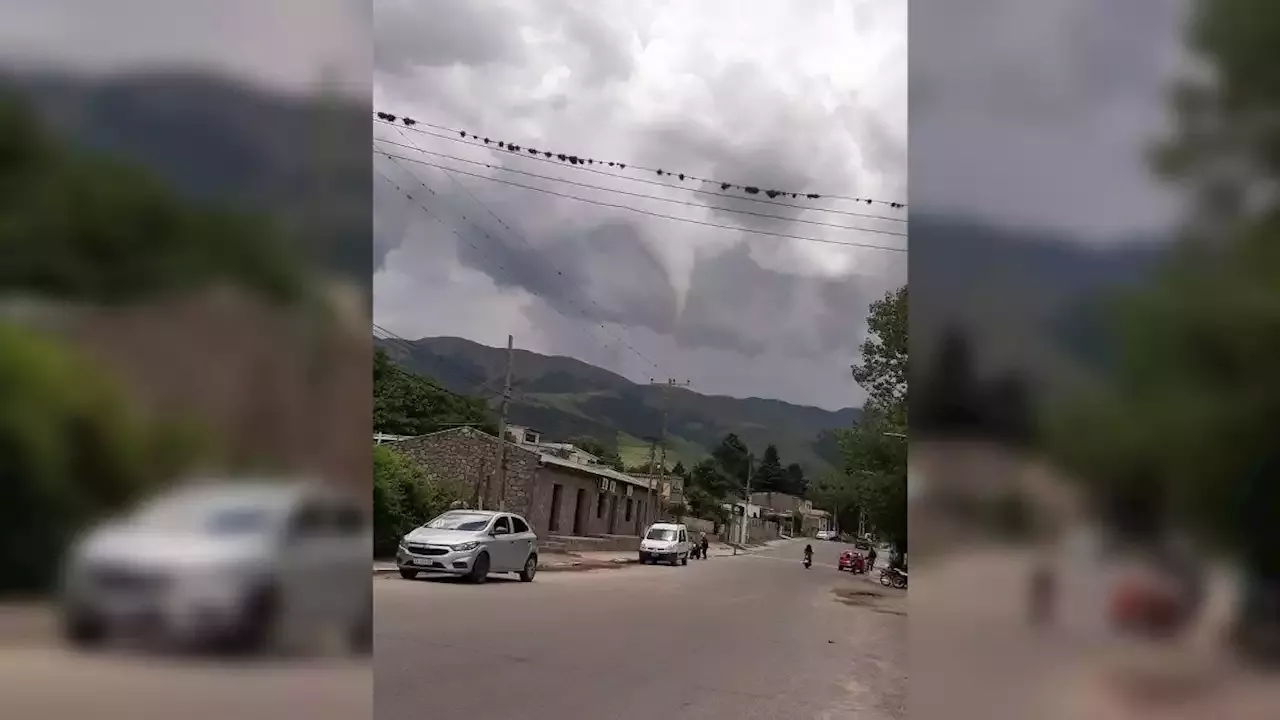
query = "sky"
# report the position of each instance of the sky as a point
(749, 92)
(1040, 113)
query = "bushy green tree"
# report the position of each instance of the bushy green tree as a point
(404, 497)
(71, 450)
(405, 403)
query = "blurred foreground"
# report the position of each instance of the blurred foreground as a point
(184, 294)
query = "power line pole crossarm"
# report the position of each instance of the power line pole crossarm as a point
(662, 452)
(502, 428)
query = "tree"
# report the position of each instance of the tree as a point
(679, 470)
(405, 403)
(873, 477)
(769, 476)
(732, 459)
(1190, 411)
(883, 370)
(796, 483)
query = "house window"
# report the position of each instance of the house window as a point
(599, 505)
(530, 437)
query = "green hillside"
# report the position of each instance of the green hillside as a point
(565, 398)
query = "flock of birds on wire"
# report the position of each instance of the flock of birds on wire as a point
(578, 160)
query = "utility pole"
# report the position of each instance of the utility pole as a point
(662, 454)
(502, 428)
(746, 508)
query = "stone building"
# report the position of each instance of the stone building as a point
(557, 496)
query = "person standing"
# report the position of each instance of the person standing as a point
(704, 545)
(871, 558)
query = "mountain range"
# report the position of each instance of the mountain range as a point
(565, 398)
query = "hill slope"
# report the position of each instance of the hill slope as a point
(563, 398)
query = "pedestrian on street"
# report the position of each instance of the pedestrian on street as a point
(871, 559)
(704, 544)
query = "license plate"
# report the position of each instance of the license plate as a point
(421, 561)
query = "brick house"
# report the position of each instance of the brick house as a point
(558, 496)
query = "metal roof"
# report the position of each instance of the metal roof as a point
(599, 470)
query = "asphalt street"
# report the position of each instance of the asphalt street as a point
(41, 680)
(752, 637)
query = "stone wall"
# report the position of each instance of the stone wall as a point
(466, 458)
(275, 386)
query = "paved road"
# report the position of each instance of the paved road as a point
(40, 681)
(750, 638)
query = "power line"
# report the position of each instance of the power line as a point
(646, 181)
(558, 272)
(631, 194)
(525, 240)
(662, 215)
(574, 159)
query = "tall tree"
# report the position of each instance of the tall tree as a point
(874, 472)
(796, 483)
(1192, 408)
(770, 476)
(732, 458)
(883, 370)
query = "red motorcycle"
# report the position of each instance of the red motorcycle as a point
(852, 561)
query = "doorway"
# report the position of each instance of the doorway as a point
(613, 514)
(554, 525)
(579, 511)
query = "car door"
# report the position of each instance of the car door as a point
(352, 538)
(525, 541)
(502, 548)
(303, 564)
(683, 548)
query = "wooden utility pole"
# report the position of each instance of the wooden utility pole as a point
(662, 453)
(502, 428)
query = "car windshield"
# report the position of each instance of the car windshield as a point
(661, 534)
(209, 514)
(467, 522)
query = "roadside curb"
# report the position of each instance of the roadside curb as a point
(568, 567)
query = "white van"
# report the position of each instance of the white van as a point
(666, 541)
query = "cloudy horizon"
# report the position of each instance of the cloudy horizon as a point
(746, 92)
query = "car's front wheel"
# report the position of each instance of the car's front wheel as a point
(82, 629)
(408, 573)
(479, 569)
(530, 569)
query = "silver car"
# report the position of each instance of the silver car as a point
(470, 544)
(227, 563)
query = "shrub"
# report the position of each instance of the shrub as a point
(404, 497)
(71, 450)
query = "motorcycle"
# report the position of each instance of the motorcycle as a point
(808, 561)
(892, 577)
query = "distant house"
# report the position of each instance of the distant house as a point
(553, 485)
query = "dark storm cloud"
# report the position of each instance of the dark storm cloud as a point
(661, 86)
